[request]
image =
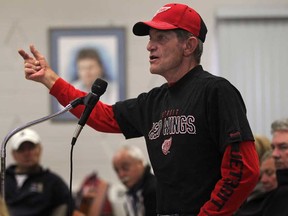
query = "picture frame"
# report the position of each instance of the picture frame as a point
(66, 47)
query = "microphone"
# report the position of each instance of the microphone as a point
(98, 89)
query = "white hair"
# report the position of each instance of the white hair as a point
(135, 153)
(279, 125)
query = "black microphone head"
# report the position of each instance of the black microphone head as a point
(99, 87)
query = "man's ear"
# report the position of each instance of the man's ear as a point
(190, 46)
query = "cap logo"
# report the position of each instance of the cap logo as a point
(162, 9)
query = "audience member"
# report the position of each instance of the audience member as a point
(275, 203)
(268, 177)
(31, 190)
(268, 181)
(92, 197)
(134, 172)
(263, 144)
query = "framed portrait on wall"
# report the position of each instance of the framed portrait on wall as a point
(81, 55)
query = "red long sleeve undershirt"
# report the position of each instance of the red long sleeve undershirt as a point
(240, 173)
(101, 118)
(239, 168)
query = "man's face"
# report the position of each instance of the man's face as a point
(27, 156)
(280, 149)
(268, 174)
(88, 71)
(128, 169)
(166, 52)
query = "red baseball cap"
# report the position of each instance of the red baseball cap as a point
(174, 16)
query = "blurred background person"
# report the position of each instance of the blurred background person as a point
(92, 197)
(31, 190)
(275, 203)
(268, 176)
(268, 182)
(134, 172)
(278, 202)
(263, 145)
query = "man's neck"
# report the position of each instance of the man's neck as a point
(176, 76)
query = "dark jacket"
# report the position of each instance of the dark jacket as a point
(41, 192)
(144, 193)
(273, 203)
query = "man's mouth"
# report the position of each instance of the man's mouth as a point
(278, 164)
(152, 58)
(125, 179)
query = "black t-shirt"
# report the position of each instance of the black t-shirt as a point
(186, 127)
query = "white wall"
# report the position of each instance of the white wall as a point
(26, 22)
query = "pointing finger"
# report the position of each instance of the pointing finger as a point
(24, 55)
(35, 52)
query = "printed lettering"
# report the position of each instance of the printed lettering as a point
(233, 181)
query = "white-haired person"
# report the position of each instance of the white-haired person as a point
(275, 203)
(30, 189)
(134, 172)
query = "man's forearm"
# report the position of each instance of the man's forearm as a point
(240, 174)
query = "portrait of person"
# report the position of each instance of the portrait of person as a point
(83, 55)
(89, 66)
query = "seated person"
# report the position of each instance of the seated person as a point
(92, 197)
(268, 176)
(275, 201)
(268, 182)
(132, 170)
(263, 145)
(31, 190)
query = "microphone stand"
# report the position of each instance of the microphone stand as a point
(70, 106)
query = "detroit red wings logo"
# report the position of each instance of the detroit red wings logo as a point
(166, 146)
(162, 9)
